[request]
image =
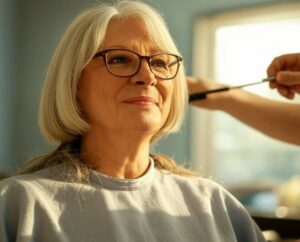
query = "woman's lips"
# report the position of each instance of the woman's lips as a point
(141, 101)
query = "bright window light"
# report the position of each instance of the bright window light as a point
(236, 48)
(244, 51)
(242, 54)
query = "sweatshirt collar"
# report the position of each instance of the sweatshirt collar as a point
(114, 183)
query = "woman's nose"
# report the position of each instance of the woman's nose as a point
(144, 76)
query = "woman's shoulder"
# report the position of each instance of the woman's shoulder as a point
(18, 183)
(28, 183)
(203, 194)
(198, 185)
(206, 191)
(17, 180)
(16, 190)
(195, 181)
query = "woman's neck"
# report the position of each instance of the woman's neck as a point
(125, 157)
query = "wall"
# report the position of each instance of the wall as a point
(41, 24)
(8, 55)
(33, 27)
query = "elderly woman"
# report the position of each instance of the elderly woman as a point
(115, 84)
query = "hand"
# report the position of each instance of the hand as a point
(196, 84)
(286, 68)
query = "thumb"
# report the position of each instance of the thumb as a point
(288, 78)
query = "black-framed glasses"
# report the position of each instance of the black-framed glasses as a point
(127, 63)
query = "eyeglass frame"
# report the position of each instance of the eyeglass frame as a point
(147, 58)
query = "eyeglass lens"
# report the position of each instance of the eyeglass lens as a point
(126, 63)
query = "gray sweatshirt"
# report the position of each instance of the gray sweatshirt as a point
(159, 206)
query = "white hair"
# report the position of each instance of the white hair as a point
(60, 116)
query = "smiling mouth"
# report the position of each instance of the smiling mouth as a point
(141, 101)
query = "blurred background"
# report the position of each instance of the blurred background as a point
(230, 41)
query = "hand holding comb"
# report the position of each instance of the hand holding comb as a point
(202, 95)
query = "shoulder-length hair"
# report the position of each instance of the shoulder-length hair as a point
(60, 117)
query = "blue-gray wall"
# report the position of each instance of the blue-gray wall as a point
(29, 31)
(8, 58)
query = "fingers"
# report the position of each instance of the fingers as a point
(273, 84)
(288, 78)
(199, 84)
(286, 68)
(194, 84)
(284, 63)
(286, 91)
(275, 66)
(296, 89)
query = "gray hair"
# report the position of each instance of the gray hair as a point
(60, 116)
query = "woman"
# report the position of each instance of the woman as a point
(115, 84)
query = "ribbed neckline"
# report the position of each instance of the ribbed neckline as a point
(114, 183)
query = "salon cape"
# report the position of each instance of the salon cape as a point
(158, 206)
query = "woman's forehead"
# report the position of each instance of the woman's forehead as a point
(130, 26)
(130, 33)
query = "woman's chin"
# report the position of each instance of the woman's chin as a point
(145, 124)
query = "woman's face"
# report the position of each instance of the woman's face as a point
(140, 103)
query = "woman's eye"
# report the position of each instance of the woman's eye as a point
(158, 63)
(118, 60)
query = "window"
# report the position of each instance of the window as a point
(236, 48)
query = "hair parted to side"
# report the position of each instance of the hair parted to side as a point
(60, 117)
